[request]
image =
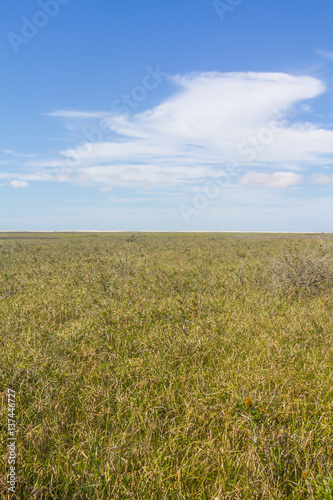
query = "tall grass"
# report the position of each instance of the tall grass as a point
(162, 366)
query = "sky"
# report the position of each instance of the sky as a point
(185, 115)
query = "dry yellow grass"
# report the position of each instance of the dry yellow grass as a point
(165, 367)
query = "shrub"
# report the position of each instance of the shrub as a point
(302, 267)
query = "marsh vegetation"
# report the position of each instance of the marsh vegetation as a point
(168, 366)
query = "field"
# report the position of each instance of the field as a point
(163, 366)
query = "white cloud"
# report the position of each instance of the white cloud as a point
(326, 54)
(13, 153)
(276, 179)
(19, 184)
(212, 119)
(123, 200)
(78, 114)
(323, 179)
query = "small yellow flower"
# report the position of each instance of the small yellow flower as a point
(305, 474)
(248, 402)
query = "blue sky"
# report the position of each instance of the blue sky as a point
(178, 115)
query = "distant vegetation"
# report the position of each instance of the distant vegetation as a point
(168, 366)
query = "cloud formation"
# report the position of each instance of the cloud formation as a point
(276, 179)
(78, 114)
(19, 184)
(326, 54)
(322, 179)
(211, 120)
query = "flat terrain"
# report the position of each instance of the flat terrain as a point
(164, 366)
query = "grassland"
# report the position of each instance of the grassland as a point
(163, 366)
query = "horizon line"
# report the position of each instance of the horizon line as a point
(154, 231)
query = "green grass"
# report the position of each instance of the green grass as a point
(132, 357)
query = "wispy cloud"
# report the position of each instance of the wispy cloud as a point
(13, 153)
(276, 179)
(322, 179)
(19, 184)
(78, 114)
(210, 120)
(326, 54)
